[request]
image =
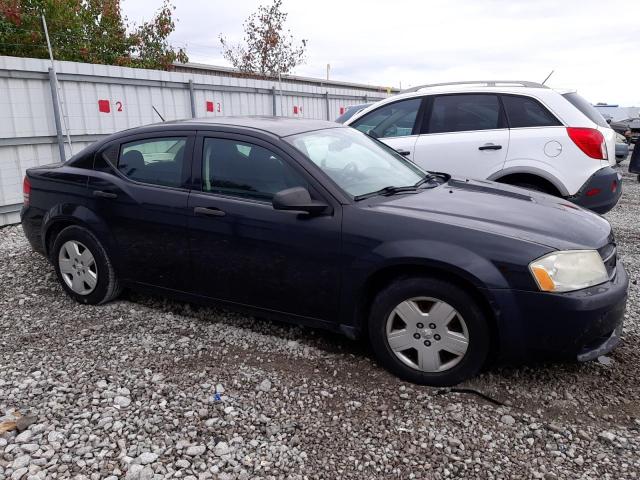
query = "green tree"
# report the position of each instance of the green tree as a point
(92, 31)
(268, 49)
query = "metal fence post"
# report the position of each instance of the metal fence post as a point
(56, 114)
(326, 97)
(273, 101)
(192, 97)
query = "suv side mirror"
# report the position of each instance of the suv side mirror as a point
(297, 199)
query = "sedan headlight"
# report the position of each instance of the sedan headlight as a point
(570, 270)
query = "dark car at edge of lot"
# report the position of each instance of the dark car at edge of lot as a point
(321, 225)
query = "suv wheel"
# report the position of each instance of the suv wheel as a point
(428, 331)
(83, 267)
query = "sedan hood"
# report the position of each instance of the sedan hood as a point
(504, 210)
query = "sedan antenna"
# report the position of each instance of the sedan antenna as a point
(154, 109)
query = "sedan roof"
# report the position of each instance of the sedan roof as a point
(279, 126)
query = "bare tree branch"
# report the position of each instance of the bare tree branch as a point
(267, 48)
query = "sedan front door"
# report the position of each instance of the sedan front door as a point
(246, 252)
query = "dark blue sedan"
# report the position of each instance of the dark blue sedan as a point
(322, 225)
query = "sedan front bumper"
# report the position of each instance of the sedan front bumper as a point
(580, 325)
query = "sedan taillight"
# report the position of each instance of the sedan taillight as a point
(26, 191)
(590, 141)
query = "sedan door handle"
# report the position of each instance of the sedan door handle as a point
(404, 153)
(101, 194)
(210, 212)
(490, 146)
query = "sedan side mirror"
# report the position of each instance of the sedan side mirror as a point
(297, 199)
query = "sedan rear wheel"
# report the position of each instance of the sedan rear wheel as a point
(428, 331)
(78, 267)
(83, 266)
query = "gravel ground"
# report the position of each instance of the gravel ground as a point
(146, 388)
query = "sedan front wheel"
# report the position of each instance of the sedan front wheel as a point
(428, 331)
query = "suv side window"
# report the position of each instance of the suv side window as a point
(460, 113)
(527, 112)
(392, 120)
(158, 161)
(242, 169)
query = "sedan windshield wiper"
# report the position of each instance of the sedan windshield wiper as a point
(390, 190)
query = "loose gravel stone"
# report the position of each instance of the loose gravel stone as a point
(149, 388)
(196, 450)
(24, 437)
(147, 458)
(507, 419)
(264, 386)
(21, 461)
(122, 401)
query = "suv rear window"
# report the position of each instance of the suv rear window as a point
(585, 107)
(526, 112)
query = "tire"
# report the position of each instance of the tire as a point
(87, 278)
(419, 362)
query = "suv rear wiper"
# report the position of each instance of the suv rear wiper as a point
(390, 190)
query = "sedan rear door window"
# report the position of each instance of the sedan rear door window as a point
(158, 161)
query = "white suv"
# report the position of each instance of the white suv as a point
(520, 133)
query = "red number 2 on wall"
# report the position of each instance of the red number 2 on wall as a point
(119, 106)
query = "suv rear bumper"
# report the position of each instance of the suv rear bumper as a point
(601, 192)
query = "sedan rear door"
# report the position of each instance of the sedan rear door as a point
(139, 187)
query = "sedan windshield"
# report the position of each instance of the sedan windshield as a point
(359, 164)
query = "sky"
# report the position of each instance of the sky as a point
(593, 46)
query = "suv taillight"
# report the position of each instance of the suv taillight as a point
(590, 141)
(26, 191)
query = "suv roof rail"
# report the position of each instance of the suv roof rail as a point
(485, 83)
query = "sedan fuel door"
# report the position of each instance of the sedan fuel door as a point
(463, 135)
(393, 123)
